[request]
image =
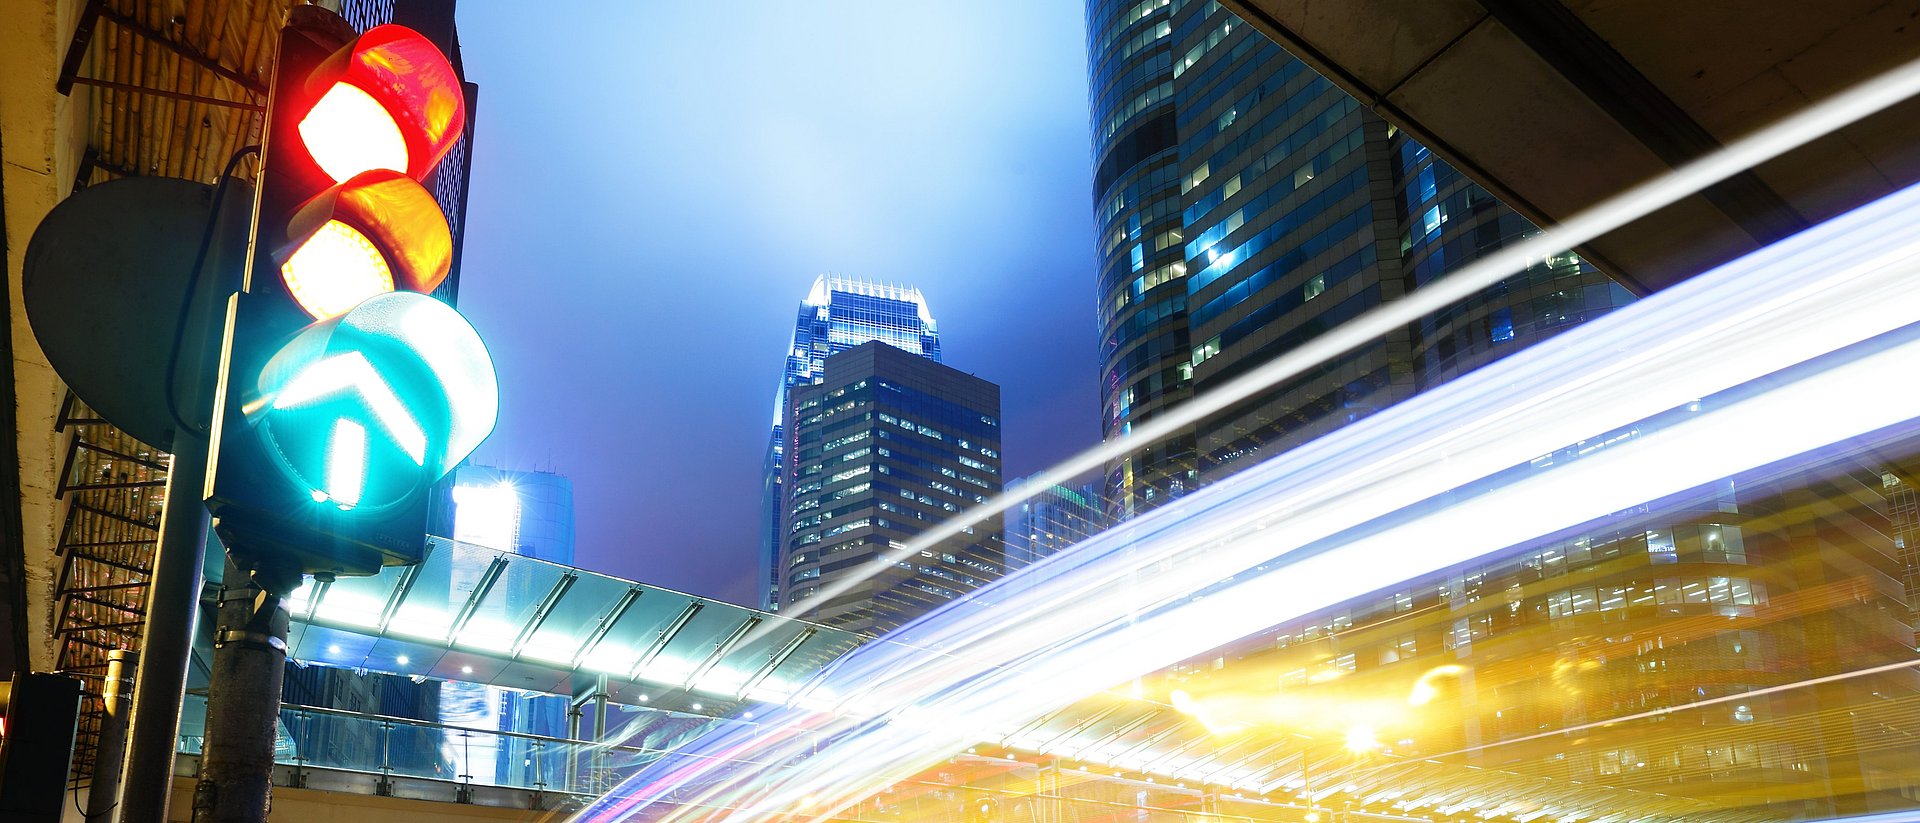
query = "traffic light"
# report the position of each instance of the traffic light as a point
(349, 391)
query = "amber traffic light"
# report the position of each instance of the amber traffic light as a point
(352, 390)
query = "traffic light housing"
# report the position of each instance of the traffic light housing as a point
(36, 744)
(349, 390)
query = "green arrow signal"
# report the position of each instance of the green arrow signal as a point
(350, 375)
(350, 372)
(346, 465)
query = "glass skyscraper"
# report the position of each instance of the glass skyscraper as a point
(838, 314)
(1244, 205)
(1140, 233)
(885, 446)
(1050, 520)
(529, 513)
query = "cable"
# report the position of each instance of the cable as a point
(193, 286)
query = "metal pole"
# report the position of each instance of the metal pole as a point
(600, 709)
(573, 749)
(243, 697)
(173, 604)
(599, 732)
(114, 695)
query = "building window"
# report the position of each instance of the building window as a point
(1502, 325)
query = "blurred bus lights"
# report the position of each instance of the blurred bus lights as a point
(1424, 690)
(1765, 343)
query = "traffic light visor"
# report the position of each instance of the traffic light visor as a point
(388, 100)
(378, 232)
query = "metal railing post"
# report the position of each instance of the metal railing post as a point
(599, 733)
(385, 787)
(300, 744)
(573, 749)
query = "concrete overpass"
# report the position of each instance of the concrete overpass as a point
(1553, 105)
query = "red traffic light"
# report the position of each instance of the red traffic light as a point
(377, 232)
(388, 100)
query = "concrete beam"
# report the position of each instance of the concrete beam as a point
(42, 136)
(1555, 104)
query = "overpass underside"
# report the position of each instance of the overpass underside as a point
(1554, 105)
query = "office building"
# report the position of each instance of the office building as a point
(1243, 206)
(529, 513)
(1246, 206)
(838, 314)
(1050, 520)
(886, 445)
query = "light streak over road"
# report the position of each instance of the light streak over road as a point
(1762, 363)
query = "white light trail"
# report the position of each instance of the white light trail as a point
(1421, 486)
(1765, 144)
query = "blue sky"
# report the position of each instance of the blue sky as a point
(656, 184)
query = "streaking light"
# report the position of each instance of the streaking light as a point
(348, 132)
(1812, 122)
(336, 269)
(1701, 395)
(1360, 740)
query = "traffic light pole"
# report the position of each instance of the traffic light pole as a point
(243, 700)
(173, 602)
(115, 693)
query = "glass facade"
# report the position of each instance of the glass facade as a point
(1139, 237)
(887, 445)
(529, 514)
(1050, 520)
(838, 314)
(1244, 205)
(1298, 210)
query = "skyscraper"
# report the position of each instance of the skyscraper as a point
(838, 314)
(885, 446)
(1052, 519)
(529, 513)
(1245, 205)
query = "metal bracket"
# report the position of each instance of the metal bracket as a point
(249, 639)
(666, 636)
(83, 37)
(480, 589)
(606, 624)
(540, 612)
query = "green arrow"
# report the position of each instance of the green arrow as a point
(346, 465)
(351, 373)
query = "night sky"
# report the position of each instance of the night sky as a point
(656, 185)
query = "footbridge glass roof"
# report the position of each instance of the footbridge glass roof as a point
(482, 615)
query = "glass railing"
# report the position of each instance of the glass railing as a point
(474, 614)
(319, 738)
(333, 739)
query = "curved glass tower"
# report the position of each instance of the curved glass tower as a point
(1138, 242)
(839, 313)
(1244, 205)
